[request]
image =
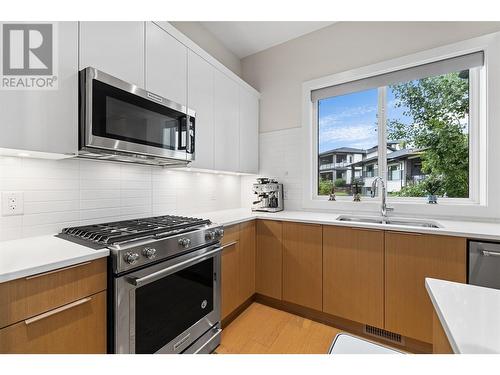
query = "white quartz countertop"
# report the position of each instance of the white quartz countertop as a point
(469, 314)
(29, 256)
(469, 229)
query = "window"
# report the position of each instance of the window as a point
(411, 127)
(347, 128)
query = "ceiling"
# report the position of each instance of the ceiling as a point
(245, 38)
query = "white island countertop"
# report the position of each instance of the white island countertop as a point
(469, 314)
(459, 228)
(29, 256)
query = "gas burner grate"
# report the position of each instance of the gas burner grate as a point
(120, 231)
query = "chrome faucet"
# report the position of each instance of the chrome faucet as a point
(383, 209)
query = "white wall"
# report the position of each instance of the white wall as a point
(278, 72)
(61, 193)
(206, 40)
(278, 158)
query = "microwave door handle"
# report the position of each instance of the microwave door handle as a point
(190, 126)
(177, 267)
(181, 139)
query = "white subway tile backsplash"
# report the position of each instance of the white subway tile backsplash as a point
(50, 206)
(55, 195)
(98, 194)
(92, 204)
(50, 218)
(70, 192)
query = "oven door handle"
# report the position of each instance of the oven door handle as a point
(166, 271)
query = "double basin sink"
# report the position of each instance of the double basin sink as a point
(390, 221)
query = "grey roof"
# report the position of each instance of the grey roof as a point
(344, 149)
(357, 150)
(399, 154)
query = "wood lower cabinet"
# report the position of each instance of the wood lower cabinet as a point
(409, 259)
(230, 293)
(440, 343)
(302, 259)
(353, 274)
(247, 260)
(29, 296)
(238, 267)
(269, 258)
(60, 311)
(76, 328)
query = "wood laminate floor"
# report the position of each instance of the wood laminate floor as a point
(263, 330)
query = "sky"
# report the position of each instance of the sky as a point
(351, 120)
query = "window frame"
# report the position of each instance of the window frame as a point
(478, 129)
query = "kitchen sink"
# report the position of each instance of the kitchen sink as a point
(390, 221)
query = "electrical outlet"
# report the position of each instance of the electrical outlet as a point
(12, 203)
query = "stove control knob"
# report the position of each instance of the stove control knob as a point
(131, 258)
(149, 252)
(219, 232)
(184, 242)
(210, 235)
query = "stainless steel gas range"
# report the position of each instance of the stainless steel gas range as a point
(164, 283)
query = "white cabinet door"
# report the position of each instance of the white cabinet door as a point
(116, 48)
(201, 99)
(166, 64)
(227, 129)
(46, 120)
(249, 132)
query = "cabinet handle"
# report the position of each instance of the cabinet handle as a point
(405, 233)
(366, 229)
(57, 311)
(228, 244)
(55, 271)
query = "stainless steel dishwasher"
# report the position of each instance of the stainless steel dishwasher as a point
(484, 264)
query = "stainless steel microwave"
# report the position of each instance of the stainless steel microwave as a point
(122, 122)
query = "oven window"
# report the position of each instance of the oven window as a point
(167, 307)
(120, 115)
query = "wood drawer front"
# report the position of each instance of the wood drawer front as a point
(353, 274)
(231, 234)
(23, 298)
(78, 328)
(302, 265)
(409, 259)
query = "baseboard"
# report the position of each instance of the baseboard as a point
(233, 315)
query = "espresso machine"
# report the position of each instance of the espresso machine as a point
(269, 195)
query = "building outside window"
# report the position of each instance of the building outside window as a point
(414, 122)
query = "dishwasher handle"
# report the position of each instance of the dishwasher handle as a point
(489, 253)
(488, 249)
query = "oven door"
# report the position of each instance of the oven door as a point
(166, 307)
(120, 117)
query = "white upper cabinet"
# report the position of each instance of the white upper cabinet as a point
(166, 64)
(227, 129)
(116, 48)
(153, 56)
(201, 100)
(46, 120)
(249, 131)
